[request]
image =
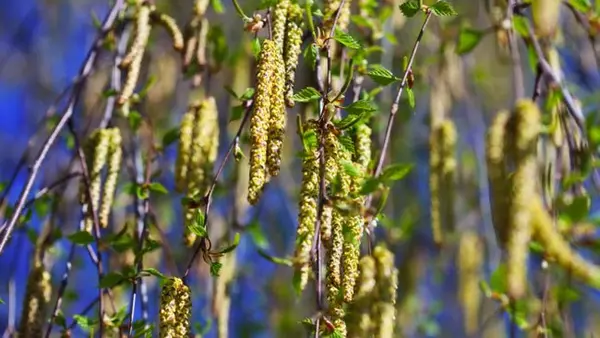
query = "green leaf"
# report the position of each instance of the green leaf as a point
(350, 169)
(218, 43)
(411, 97)
(443, 8)
(81, 238)
(32, 235)
(468, 39)
(581, 5)
(170, 137)
(347, 143)
(396, 172)
(248, 94)
(273, 259)
(1, 301)
(135, 120)
(109, 93)
(197, 226)
(369, 186)
(310, 55)
(154, 272)
(410, 8)
(2, 186)
(60, 320)
(520, 25)
(360, 107)
(307, 94)
(309, 140)
(381, 75)
(217, 5)
(158, 188)
(85, 323)
(111, 279)
(215, 268)
(256, 47)
(498, 279)
(346, 39)
(576, 210)
(232, 245)
(237, 112)
(257, 235)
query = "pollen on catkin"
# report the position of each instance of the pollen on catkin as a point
(331, 153)
(362, 145)
(360, 318)
(526, 124)
(470, 260)
(175, 309)
(100, 142)
(495, 154)
(172, 29)
(292, 49)
(278, 118)
(115, 155)
(133, 60)
(307, 210)
(386, 279)
(184, 151)
(260, 120)
(279, 18)
(37, 297)
(352, 232)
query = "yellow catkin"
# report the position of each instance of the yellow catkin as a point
(526, 124)
(498, 176)
(202, 42)
(133, 60)
(360, 320)
(546, 14)
(259, 123)
(172, 28)
(184, 151)
(386, 279)
(558, 249)
(200, 7)
(115, 155)
(331, 152)
(175, 309)
(329, 15)
(307, 211)
(470, 260)
(362, 145)
(221, 304)
(98, 162)
(434, 184)
(291, 52)
(37, 297)
(278, 118)
(279, 18)
(447, 169)
(353, 230)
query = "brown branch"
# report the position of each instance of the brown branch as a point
(518, 82)
(84, 72)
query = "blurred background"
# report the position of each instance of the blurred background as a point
(42, 46)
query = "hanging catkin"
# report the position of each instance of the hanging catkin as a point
(99, 143)
(307, 210)
(470, 260)
(175, 309)
(172, 29)
(279, 18)
(526, 124)
(37, 296)
(386, 279)
(260, 120)
(496, 152)
(114, 155)
(292, 49)
(278, 118)
(184, 151)
(221, 304)
(360, 317)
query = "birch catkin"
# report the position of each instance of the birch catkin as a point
(386, 279)
(172, 29)
(307, 210)
(360, 318)
(100, 141)
(278, 118)
(175, 309)
(526, 123)
(35, 303)
(260, 120)
(114, 155)
(292, 49)
(496, 151)
(184, 151)
(470, 260)
(279, 15)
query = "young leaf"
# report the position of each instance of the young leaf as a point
(411, 97)
(581, 5)
(350, 168)
(85, 323)
(248, 94)
(346, 39)
(81, 238)
(410, 8)
(468, 39)
(215, 268)
(170, 136)
(217, 5)
(396, 172)
(360, 106)
(273, 259)
(237, 112)
(443, 8)
(381, 75)
(154, 272)
(110, 279)
(232, 246)
(307, 94)
(158, 188)
(310, 55)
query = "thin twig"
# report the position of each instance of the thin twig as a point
(518, 82)
(203, 243)
(84, 72)
(61, 290)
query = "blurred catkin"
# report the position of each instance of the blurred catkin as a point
(292, 49)
(115, 155)
(470, 260)
(546, 14)
(526, 125)
(386, 279)
(172, 29)
(278, 118)
(221, 304)
(360, 318)
(558, 249)
(496, 152)
(175, 309)
(279, 18)
(260, 120)
(307, 210)
(133, 60)
(98, 146)
(184, 151)
(37, 297)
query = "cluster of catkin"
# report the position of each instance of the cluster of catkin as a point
(373, 312)
(195, 36)
(145, 16)
(35, 303)
(341, 222)
(276, 69)
(102, 149)
(175, 309)
(197, 152)
(442, 162)
(518, 212)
